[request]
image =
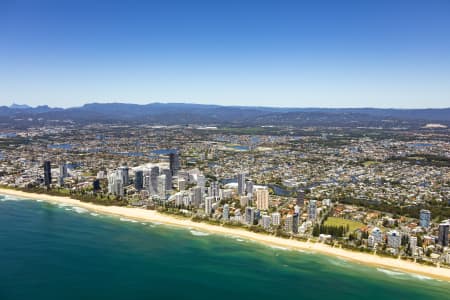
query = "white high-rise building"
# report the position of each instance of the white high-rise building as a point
(201, 183)
(208, 205)
(226, 212)
(187, 199)
(312, 210)
(249, 187)
(197, 196)
(241, 183)
(146, 183)
(201, 180)
(154, 173)
(288, 223)
(262, 199)
(179, 199)
(237, 216)
(162, 186)
(413, 245)
(244, 201)
(213, 190)
(63, 170)
(115, 184)
(183, 175)
(181, 184)
(61, 181)
(266, 220)
(276, 218)
(101, 175)
(168, 174)
(124, 173)
(250, 215)
(225, 194)
(377, 235)
(394, 239)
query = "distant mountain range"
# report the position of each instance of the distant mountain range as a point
(183, 113)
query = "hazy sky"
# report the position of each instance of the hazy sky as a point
(379, 53)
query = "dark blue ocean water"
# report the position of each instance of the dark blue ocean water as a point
(53, 252)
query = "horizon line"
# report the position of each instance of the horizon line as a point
(242, 106)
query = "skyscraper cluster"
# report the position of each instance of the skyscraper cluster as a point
(156, 180)
(115, 183)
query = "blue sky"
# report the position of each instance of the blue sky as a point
(361, 53)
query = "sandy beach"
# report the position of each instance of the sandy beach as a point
(153, 216)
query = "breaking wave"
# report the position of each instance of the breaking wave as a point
(128, 220)
(198, 233)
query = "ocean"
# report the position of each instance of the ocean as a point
(50, 251)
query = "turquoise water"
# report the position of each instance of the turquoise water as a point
(53, 252)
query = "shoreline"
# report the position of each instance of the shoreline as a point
(153, 216)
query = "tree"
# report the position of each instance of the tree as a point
(316, 230)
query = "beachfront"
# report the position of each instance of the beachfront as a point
(153, 216)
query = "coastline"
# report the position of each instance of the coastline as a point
(154, 216)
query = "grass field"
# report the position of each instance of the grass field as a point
(353, 225)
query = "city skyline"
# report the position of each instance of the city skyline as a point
(268, 53)
(229, 149)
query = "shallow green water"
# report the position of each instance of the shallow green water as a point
(53, 252)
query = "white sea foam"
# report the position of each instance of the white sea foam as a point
(94, 214)
(391, 273)
(9, 198)
(279, 248)
(198, 233)
(144, 223)
(337, 262)
(421, 277)
(79, 210)
(240, 240)
(128, 220)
